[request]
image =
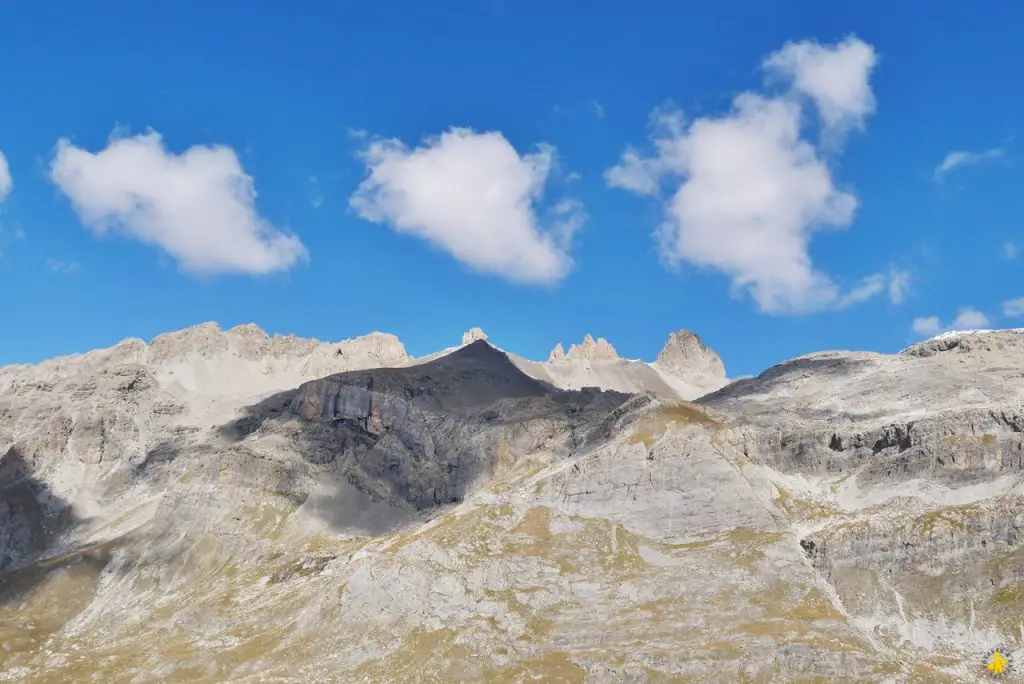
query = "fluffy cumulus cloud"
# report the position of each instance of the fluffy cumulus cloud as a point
(748, 190)
(926, 325)
(6, 183)
(835, 77)
(198, 206)
(960, 158)
(474, 196)
(967, 318)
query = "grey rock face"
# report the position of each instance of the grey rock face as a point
(428, 435)
(228, 506)
(687, 356)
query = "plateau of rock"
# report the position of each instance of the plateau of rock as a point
(226, 506)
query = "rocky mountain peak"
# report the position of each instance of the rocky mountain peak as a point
(591, 350)
(250, 342)
(472, 335)
(557, 354)
(685, 355)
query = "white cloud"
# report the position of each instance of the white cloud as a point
(835, 77)
(1010, 249)
(927, 325)
(752, 190)
(598, 109)
(1013, 308)
(635, 173)
(6, 182)
(895, 284)
(899, 286)
(356, 133)
(472, 195)
(869, 288)
(960, 158)
(967, 318)
(198, 206)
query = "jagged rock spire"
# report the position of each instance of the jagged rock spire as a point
(686, 355)
(591, 350)
(472, 335)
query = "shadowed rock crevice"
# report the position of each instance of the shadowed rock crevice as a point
(32, 517)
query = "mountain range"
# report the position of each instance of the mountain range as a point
(229, 506)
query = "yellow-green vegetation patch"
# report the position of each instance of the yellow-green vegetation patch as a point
(566, 566)
(659, 614)
(48, 595)
(538, 624)
(988, 439)
(251, 649)
(803, 509)
(505, 510)
(921, 673)
(555, 666)
(652, 426)
(320, 543)
(532, 536)
(691, 546)
(1011, 593)
(424, 655)
(746, 546)
(795, 602)
(797, 614)
(596, 544)
(950, 518)
(940, 520)
(510, 473)
(718, 650)
(470, 527)
(268, 519)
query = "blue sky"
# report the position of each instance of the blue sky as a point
(423, 169)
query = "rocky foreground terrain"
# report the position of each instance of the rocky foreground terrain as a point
(225, 506)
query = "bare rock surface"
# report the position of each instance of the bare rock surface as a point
(472, 335)
(591, 350)
(685, 368)
(223, 506)
(687, 357)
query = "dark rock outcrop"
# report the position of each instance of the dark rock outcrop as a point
(428, 435)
